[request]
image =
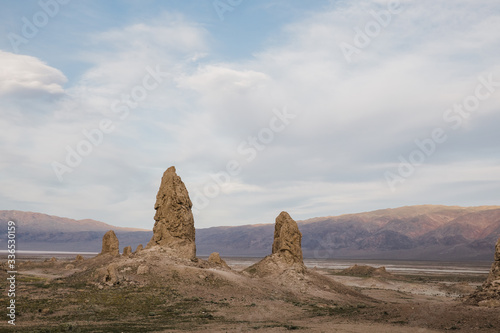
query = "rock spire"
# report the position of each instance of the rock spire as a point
(174, 222)
(286, 251)
(110, 244)
(287, 238)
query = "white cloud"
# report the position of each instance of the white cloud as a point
(26, 76)
(224, 80)
(354, 115)
(353, 119)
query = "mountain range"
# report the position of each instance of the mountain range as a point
(426, 232)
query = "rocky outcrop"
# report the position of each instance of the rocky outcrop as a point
(494, 276)
(127, 251)
(216, 260)
(111, 276)
(174, 226)
(79, 257)
(110, 244)
(489, 293)
(139, 248)
(286, 250)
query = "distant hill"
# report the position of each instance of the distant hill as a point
(42, 232)
(408, 233)
(38, 222)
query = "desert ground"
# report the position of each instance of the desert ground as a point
(175, 295)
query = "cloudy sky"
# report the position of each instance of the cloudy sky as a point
(314, 107)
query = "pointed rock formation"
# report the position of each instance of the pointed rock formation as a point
(127, 251)
(489, 294)
(174, 226)
(110, 244)
(139, 248)
(286, 250)
(287, 238)
(215, 259)
(79, 257)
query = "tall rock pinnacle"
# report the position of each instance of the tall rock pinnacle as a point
(174, 226)
(287, 238)
(110, 244)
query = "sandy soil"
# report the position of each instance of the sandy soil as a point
(177, 295)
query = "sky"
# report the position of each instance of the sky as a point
(318, 108)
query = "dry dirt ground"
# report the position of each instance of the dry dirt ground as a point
(149, 292)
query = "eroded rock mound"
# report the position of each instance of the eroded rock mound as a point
(111, 276)
(367, 271)
(110, 244)
(489, 294)
(174, 226)
(286, 251)
(215, 259)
